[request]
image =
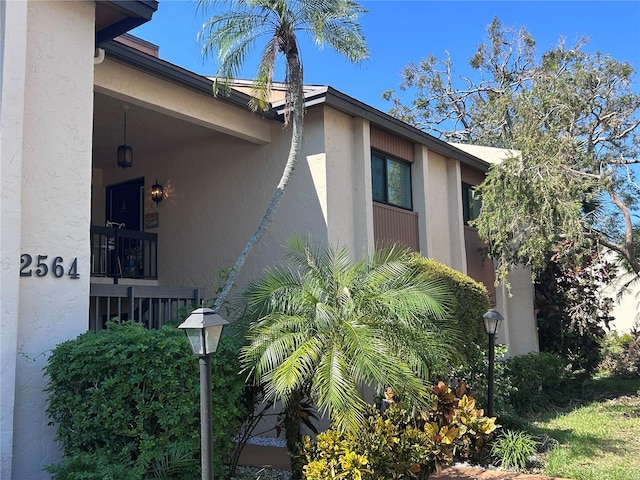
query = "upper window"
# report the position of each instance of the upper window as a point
(391, 181)
(471, 203)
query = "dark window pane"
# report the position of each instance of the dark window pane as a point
(471, 203)
(378, 179)
(475, 205)
(465, 203)
(399, 184)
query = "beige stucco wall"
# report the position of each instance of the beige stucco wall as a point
(348, 181)
(47, 93)
(626, 307)
(519, 330)
(625, 312)
(218, 191)
(436, 182)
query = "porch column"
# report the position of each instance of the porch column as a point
(420, 190)
(13, 28)
(45, 211)
(364, 238)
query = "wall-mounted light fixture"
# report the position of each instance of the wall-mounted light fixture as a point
(125, 152)
(157, 192)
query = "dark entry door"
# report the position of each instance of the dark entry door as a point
(124, 203)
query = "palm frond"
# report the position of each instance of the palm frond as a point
(231, 35)
(297, 368)
(335, 326)
(334, 390)
(264, 76)
(335, 23)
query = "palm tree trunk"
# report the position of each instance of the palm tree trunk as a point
(292, 433)
(297, 114)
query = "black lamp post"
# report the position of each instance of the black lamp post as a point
(492, 320)
(203, 328)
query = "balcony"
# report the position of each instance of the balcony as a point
(120, 262)
(118, 253)
(153, 306)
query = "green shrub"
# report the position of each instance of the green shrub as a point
(572, 315)
(621, 355)
(514, 449)
(474, 375)
(538, 379)
(401, 443)
(125, 402)
(470, 302)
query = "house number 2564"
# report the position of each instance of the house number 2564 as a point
(42, 266)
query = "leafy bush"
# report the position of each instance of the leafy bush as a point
(474, 376)
(401, 443)
(126, 404)
(572, 315)
(514, 449)
(621, 355)
(537, 379)
(470, 302)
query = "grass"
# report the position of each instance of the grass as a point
(598, 440)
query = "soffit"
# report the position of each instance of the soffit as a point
(149, 132)
(114, 18)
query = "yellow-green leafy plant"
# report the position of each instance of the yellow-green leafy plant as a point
(456, 409)
(403, 442)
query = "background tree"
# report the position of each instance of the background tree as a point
(573, 118)
(572, 314)
(325, 327)
(231, 35)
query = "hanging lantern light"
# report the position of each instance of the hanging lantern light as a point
(125, 152)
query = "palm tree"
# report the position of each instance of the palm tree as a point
(231, 35)
(325, 327)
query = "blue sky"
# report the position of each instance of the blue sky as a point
(399, 32)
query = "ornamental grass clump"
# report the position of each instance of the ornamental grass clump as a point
(514, 449)
(402, 442)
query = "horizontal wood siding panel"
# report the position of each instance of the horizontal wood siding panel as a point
(391, 144)
(395, 225)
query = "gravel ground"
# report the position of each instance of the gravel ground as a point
(260, 473)
(255, 473)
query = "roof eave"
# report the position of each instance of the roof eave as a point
(134, 14)
(340, 101)
(169, 71)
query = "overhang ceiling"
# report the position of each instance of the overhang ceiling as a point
(148, 132)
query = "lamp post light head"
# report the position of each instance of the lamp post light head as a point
(492, 320)
(203, 328)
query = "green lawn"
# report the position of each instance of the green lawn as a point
(598, 441)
